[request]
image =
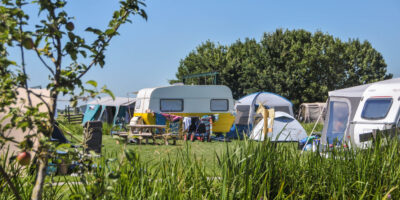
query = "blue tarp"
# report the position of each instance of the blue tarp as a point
(90, 113)
(120, 114)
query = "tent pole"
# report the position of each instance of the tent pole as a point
(319, 117)
(315, 125)
(251, 111)
(271, 114)
(265, 116)
(129, 110)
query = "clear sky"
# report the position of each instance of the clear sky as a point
(147, 54)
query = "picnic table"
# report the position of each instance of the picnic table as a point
(146, 132)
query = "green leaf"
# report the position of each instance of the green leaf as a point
(63, 146)
(130, 155)
(110, 31)
(92, 82)
(107, 91)
(94, 30)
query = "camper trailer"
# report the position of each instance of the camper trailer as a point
(378, 110)
(355, 113)
(187, 101)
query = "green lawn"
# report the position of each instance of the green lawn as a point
(155, 153)
(113, 147)
(152, 154)
(235, 170)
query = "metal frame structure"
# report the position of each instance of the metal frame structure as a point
(208, 74)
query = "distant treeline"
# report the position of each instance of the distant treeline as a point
(297, 64)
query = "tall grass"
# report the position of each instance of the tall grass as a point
(23, 179)
(255, 170)
(107, 128)
(77, 129)
(245, 170)
(309, 126)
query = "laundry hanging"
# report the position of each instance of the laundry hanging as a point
(172, 118)
(187, 121)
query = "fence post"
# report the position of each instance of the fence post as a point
(69, 118)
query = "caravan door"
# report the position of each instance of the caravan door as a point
(339, 114)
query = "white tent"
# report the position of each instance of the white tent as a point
(285, 129)
(18, 134)
(246, 106)
(310, 112)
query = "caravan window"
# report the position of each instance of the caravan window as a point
(338, 118)
(171, 105)
(219, 105)
(376, 108)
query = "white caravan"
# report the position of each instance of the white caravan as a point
(354, 113)
(378, 110)
(187, 101)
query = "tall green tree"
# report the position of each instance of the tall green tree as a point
(296, 64)
(66, 55)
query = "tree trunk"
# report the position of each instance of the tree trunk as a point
(41, 176)
(43, 153)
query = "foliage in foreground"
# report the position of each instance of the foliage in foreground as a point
(246, 170)
(65, 55)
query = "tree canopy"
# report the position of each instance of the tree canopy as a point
(297, 64)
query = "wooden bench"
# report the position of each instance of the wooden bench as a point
(172, 136)
(146, 132)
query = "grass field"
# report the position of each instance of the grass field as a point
(152, 154)
(236, 170)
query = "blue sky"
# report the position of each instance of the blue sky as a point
(147, 54)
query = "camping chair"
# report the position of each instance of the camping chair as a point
(119, 127)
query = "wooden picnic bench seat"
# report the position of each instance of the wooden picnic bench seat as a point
(168, 136)
(142, 134)
(145, 132)
(124, 136)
